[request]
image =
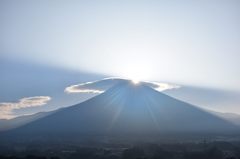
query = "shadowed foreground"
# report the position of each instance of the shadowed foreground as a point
(199, 150)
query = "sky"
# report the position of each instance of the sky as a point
(184, 42)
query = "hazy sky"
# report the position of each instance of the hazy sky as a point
(193, 42)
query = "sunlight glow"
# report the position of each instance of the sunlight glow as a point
(136, 70)
(135, 81)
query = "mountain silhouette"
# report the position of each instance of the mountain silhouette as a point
(123, 109)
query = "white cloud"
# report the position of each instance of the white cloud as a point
(82, 88)
(161, 86)
(76, 89)
(101, 85)
(6, 108)
(98, 86)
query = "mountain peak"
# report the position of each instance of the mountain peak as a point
(128, 86)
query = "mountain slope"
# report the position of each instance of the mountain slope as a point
(8, 124)
(127, 109)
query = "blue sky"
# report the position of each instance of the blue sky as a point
(185, 42)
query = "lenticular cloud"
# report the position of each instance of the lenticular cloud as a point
(100, 86)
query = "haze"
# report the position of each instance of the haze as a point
(190, 42)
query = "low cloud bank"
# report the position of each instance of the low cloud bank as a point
(6, 108)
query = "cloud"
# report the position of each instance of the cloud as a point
(6, 108)
(161, 86)
(100, 86)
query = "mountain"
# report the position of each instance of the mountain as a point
(126, 109)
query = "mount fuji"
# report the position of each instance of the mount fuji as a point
(126, 109)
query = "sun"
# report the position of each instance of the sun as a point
(135, 81)
(136, 71)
